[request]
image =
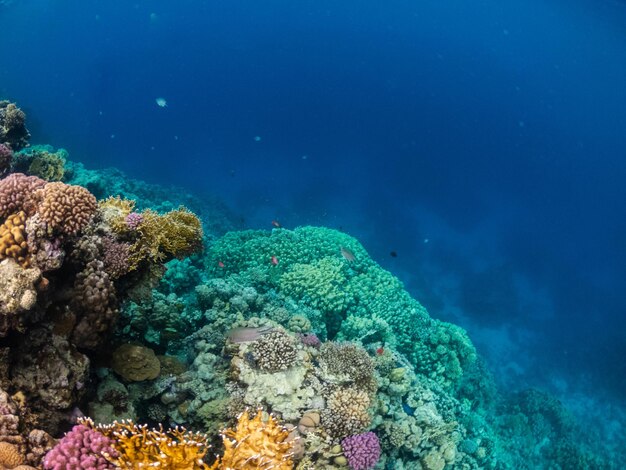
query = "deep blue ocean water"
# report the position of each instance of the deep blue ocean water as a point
(482, 142)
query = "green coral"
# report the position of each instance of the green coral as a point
(358, 299)
(42, 161)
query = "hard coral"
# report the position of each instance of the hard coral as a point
(140, 447)
(10, 456)
(94, 297)
(65, 208)
(12, 126)
(136, 363)
(175, 234)
(361, 450)
(13, 239)
(347, 412)
(16, 193)
(48, 166)
(17, 292)
(6, 156)
(275, 351)
(257, 443)
(82, 448)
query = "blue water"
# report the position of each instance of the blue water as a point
(482, 142)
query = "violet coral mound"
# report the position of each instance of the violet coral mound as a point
(81, 449)
(6, 156)
(361, 450)
(16, 193)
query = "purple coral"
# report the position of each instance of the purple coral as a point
(133, 220)
(81, 449)
(310, 339)
(6, 155)
(361, 450)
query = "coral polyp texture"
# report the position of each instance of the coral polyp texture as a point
(272, 349)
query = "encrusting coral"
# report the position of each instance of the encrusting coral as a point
(135, 363)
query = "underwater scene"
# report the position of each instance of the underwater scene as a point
(360, 235)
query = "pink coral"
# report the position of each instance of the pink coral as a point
(361, 450)
(133, 220)
(81, 449)
(16, 193)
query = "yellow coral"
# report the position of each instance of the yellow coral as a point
(13, 239)
(114, 211)
(175, 234)
(48, 166)
(257, 444)
(140, 447)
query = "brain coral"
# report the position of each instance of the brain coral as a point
(13, 239)
(66, 208)
(16, 193)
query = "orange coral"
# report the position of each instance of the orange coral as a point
(66, 208)
(13, 239)
(257, 443)
(140, 447)
(10, 456)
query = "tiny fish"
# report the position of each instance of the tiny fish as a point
(274, 260)
(276, 224)
(380, 351)
(347, 254)
(161, 102)
(393, 254)
(220, 264)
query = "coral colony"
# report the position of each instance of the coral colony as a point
(135, 333)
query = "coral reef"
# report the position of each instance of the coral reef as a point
(110, 306)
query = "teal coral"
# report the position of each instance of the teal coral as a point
(358, 299)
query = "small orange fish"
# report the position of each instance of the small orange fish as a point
(274, 260)
(380, 351)
(347, 254)
(220, 264)
(276, 224)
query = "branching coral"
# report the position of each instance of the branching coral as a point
(175, 234)
(140, 447)
(274, 351)
(347, 412)
(257, 443)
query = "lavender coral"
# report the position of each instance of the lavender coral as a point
(361, 450)
(16, 193)
(82, 448)
(6, 156)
